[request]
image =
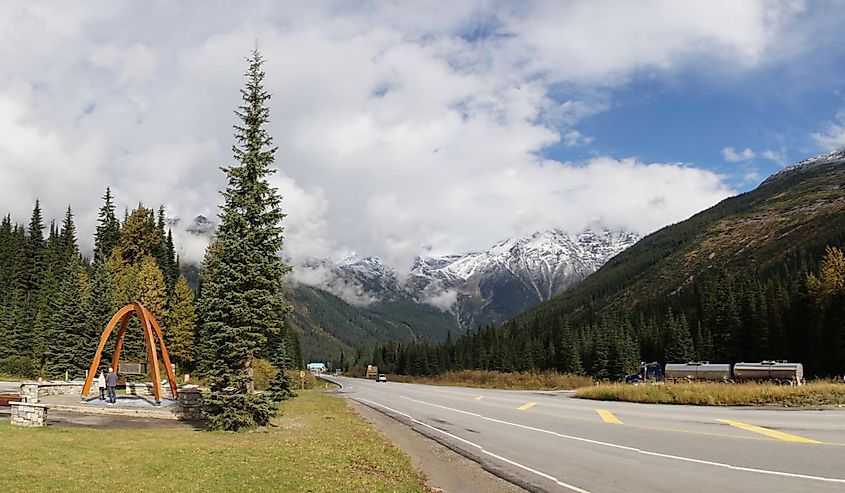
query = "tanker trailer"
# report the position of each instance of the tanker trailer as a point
(698, 370)
(778, 371)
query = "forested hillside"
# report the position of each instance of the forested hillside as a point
(758, 276)
(331, 329)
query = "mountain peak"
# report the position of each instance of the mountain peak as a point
(808, 164)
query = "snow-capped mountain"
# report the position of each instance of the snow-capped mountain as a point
(476, 288)
(481, 287)
(494, 285)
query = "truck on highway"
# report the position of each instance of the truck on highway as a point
(777, 371)
(372, 371)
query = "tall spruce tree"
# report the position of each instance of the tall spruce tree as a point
(242, 302)
(108, 228)
(70, 331)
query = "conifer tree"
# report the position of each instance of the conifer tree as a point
(70, 331)
(181, 325)
(7, 256)
(242, 303)
(102, 306)
(679, 345)
(108, 228)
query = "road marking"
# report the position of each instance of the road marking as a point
(526, 406)
(637, 450)
(478, 398)
(608, 417)
(768, 432)
(479, 447)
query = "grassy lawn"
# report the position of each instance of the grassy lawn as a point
(499, 380)
(318, 445)
(817, 393)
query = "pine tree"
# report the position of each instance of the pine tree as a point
(181, 326)
(242, 303)
(67, 348)
(8, 248)
(101, 301)
(108, 228)
(679, 345)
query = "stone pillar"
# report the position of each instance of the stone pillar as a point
(189, 402)
(29, 392)
(28, 414)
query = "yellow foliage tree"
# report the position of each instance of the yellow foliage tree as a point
(181, 326)
(831, 278)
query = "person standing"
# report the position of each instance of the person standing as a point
(111, 383)
(101, 382)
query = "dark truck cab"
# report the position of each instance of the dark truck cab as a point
(648, 372)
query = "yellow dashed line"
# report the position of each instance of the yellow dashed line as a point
(527, 405)
(769, 433)
(608, 417)
(479, 397)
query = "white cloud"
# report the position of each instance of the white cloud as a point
(778, 157)
(833, 135)
(734, 157)
(400, 126)
(444, 300)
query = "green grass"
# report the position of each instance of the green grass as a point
(318, 445)
(12, 378)
(818, 393)
(548, 380)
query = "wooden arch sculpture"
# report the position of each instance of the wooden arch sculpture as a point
(152, 330)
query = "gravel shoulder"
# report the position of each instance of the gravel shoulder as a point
(444, 469)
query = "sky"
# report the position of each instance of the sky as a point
(409, 128)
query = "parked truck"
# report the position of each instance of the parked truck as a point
(372, 372)
(778, 371)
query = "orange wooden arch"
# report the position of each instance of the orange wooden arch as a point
(152, 330)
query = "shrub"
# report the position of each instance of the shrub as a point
(19, 366)
(237, 411)
(262, 373)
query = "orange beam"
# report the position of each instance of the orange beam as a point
(171, 377)
(103, 339)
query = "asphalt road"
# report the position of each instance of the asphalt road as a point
(549, 441)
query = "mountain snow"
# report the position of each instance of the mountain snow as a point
(479, 287)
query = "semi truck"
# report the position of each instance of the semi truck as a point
(779, 371)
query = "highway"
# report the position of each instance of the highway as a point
(550, 441)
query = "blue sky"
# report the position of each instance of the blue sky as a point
(692, 122)
(418, 128)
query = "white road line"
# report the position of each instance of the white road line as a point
(640, 451)
(479, 447)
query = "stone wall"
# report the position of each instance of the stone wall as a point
(31, 391)
(146, 389)
(28, 414)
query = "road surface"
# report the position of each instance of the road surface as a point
(549, 441)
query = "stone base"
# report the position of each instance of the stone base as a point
(28, 414)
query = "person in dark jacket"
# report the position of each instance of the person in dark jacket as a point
(111, 383)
